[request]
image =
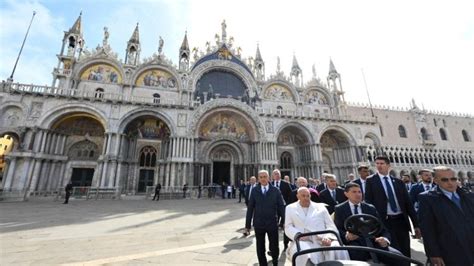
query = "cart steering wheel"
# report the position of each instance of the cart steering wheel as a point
(364, 225)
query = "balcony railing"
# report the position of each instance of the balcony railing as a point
(311, 115)
(92, 95)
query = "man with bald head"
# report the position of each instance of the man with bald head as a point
(446, 217)
(306, 216)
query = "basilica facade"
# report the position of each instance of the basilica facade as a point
(214, 117)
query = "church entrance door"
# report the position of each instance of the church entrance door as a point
(82, 177)
(221, 172)
(146, 180)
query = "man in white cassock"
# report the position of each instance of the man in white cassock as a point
(306, 216)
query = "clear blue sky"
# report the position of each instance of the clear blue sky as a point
(408, 49)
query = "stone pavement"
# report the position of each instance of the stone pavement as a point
(129, 232)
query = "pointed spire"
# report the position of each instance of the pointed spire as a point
(77, 27)
(185, 45)
(332, 68)
(135, 36)
(258, 56)
(295, 65)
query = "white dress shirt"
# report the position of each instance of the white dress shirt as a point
(389, 209)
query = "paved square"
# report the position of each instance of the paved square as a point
(129, 232)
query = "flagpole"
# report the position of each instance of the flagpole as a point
(21, 49)
(367, 91)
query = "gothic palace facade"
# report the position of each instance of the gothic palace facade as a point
(214, 118)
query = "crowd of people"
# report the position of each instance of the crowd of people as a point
(438, 209)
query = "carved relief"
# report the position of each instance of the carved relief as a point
(182, 118)
(84, 150)
(36, 108)
(12, 116)
(269, 126)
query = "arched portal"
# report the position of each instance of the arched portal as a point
(337, 153)
(84, 137)
(147, 147)
(294, 151)
(226, 146)
(224, 158)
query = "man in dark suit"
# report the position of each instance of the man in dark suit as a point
(333, 195)
(426, 184)
(322, 186)
(264, 207)
(352, 206)
(285, 190)
(241, 190)
(446, 221)
(248, 189)
(282, 185)
(157, 192)
(406, 179)
(287, 179)
(68, 190)
(363, 171)
(391, 199)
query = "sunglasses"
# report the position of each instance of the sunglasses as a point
(445, 179)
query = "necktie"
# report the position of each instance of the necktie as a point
(427, 187)
(456, 200)
(355, 209)
(391, 196)
(408, 187)
(264, 191)
(278, 184)
(333, 195)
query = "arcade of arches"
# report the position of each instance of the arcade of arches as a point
(226, 147)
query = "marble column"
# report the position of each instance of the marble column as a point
(10, 174)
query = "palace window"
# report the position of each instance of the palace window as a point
(99, 93)
(148, 157)
(84, 150)
(434, 122)
(465, 136)
(424, 134)
(279, 110)
(285, 161)
(156, 98)
(402, 131)
(442, 134)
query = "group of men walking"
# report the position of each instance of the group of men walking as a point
(440, 212)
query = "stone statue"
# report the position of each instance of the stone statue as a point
(195, 56)
(106, 37)
(160, 47)
(208, 47)
(224, 33)
(314, 71)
